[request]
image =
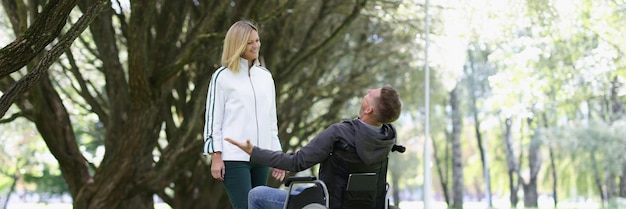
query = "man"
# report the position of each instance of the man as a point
(353, 146)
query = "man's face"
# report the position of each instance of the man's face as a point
(369, 101)
(252, 47)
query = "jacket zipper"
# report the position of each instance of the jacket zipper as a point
(256, 117)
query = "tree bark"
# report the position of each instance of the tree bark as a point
(442, 168)
(617, 107)
(617, 110)
(555, 178)
(534, 164)
(5, 202)
(457, 155)
(622, 182)
(552, 164)
(479, 138)
(42, 32)
(22, 49)
(395, 181)
(597, 178)
(511, 162)
(611, 187)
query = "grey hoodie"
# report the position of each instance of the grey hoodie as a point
(343, 148)
(370, 146)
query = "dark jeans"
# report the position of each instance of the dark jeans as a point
(240, 177)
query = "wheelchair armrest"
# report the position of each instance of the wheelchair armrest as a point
(299, 178)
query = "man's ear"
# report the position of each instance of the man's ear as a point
(369, 110)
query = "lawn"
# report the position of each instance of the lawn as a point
(403, 205)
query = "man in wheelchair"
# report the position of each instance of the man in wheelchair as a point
(357, 148)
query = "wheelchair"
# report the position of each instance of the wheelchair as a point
(307, 192)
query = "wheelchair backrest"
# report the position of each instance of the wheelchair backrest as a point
(354, 184)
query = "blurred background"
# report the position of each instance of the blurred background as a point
(103, 101)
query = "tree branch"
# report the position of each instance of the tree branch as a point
(96, 107)
(43, 31)
(32, 77)
(12, 118)
(301, 57)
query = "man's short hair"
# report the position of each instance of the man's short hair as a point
(389, 105)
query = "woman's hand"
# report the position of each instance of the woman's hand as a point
(217, 166)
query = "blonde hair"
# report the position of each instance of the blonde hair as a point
(235, 43)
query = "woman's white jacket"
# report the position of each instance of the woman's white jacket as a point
(240, 106)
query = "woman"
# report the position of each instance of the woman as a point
(240, 105)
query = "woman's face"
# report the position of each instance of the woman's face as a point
(252, 48)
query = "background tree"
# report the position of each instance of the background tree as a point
(477, 71)
(457, 158)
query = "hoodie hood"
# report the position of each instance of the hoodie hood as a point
(372, 146)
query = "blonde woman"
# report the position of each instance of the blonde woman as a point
(241, 104)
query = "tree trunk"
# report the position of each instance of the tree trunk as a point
(622, 182)
(442, 168)
(611, 187)
(554, 177)
(617, 107)
(57, 134)
(5, 202)
(189, 196)
(552, 164)
(395, 181)
(511, 162)
(457, 155)
(597, 177)
(615, 189)
(479, 138)
(534, 163)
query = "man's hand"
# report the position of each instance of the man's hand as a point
(278, 174)
(245, 147)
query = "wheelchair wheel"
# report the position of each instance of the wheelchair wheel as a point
(314, 206)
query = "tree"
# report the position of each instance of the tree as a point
(457, 159)
(477, 71)
(142, 71)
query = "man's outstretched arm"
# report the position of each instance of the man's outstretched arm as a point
(313, 153)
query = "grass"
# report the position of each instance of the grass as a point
(499, 205)
(403, 205)
(62, 206)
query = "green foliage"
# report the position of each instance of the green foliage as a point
(6, 170)
(586, 151)
(404, 167)
(47, 181)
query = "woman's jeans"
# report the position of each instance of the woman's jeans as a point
(240, 177)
